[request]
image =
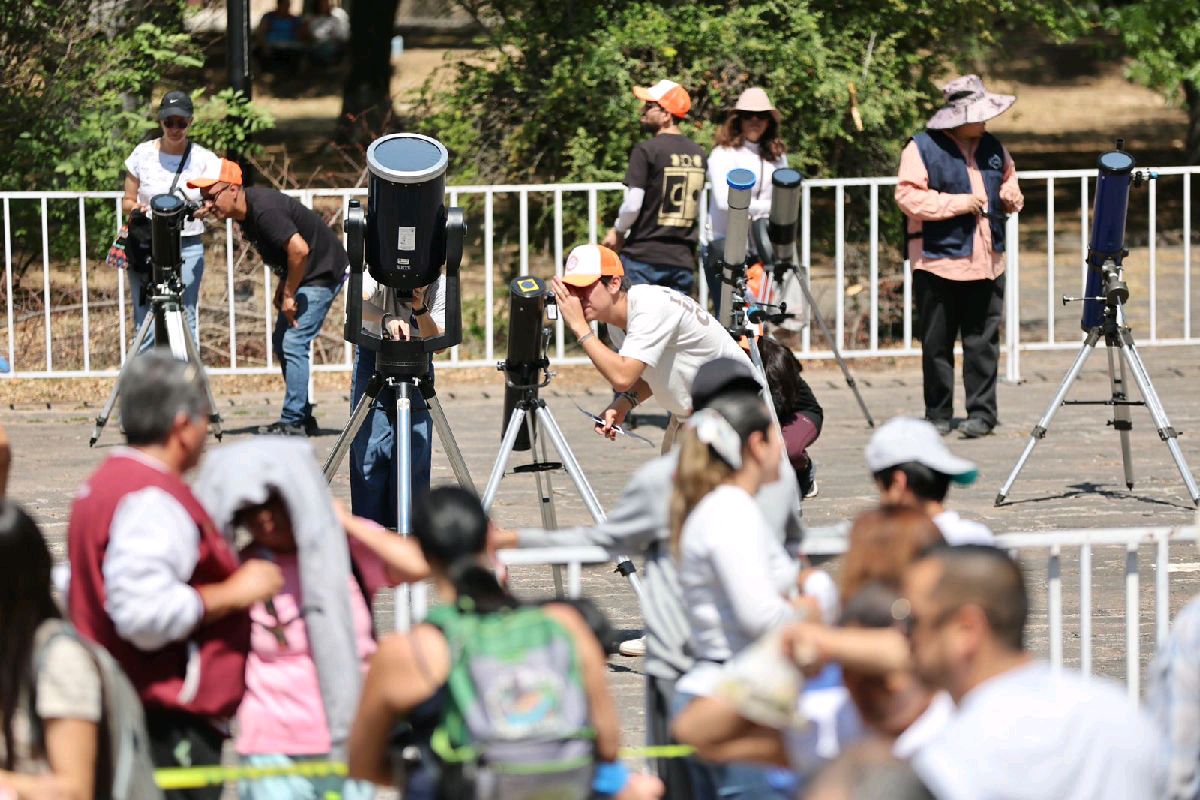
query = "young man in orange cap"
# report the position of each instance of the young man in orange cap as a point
(663, 336)
(655, 230)
(308, 259)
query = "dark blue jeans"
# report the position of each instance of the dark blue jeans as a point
(681, 279)
(291, 348)
(372, 453)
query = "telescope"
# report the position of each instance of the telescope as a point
(167, 214)
(404, 239)
(733, 260)
(529, 300)
(1104, 288)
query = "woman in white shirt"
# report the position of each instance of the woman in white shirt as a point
(734, 574)
(749, 139)
(151, 170)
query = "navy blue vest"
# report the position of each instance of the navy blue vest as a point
(955, 237)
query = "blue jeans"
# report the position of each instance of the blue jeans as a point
(192, 250)
(372, 453)
(291, 348)
(681, 279)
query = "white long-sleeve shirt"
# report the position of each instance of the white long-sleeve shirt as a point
(735, 577)
(720, 162)
(153, 547)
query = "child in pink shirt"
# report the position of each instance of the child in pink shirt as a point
(281, 720)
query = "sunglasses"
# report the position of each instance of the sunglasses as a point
(763, 115)
(176, 122)
(211, 197)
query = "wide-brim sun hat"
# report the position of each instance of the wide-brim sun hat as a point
(967, 101)
(755, 99)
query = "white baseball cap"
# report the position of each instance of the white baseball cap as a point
(588, 263)
(906, 439)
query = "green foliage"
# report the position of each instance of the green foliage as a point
(1163, 37)
(77, 80)
(549, 98)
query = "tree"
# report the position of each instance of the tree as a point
(1163, 38)
(549, 98)
(367, 93)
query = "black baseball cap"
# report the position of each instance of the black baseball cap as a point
(176, 104)
(719, 376)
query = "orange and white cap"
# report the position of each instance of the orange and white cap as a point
(588, 263)
(230, 173)
(668, 94)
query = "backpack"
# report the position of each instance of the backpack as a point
(124, 769)
(515, 723)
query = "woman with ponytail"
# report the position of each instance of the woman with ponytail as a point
(416, 683)
(735, 576)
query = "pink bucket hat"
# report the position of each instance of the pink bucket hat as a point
(967, 101)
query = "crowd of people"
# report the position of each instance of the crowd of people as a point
(238, 606)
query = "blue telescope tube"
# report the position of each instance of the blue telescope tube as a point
(1108, 228)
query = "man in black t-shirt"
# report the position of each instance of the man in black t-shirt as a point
(310, 262)
(655, 231)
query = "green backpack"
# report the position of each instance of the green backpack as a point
(516, 722)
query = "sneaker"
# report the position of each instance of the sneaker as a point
(280, 428)
(942, 425)
(808, 480)
(633, 648)
(311, 426)
(974, 427)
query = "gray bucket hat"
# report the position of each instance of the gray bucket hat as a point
(967, 101)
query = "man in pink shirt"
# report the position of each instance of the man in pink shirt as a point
(957, 184)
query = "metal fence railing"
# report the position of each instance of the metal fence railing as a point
(1105, 590)
(74, 305)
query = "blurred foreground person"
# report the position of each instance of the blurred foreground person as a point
(1022, 728)
(49, 686)
(1173, 698)
(486, 698)
(153, 581)
(5, 461)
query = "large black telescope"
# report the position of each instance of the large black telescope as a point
(167, 214)
(528, 336)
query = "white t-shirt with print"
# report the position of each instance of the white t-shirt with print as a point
(672, 335)
(155, 171)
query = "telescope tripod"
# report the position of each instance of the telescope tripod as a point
(532, 412)
(411, 601)
(170, 330)
(1122, 356)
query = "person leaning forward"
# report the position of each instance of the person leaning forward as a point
(663, 336)
(957, 184)
(310, 262)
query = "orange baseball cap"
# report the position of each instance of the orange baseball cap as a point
(230, 173)
(588, 263)
(668, 94)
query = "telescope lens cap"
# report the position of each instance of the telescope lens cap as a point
(165, 204)
(1116, 162)
(785, 178)
(407, 158)
(740, 179)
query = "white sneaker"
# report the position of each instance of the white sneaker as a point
(633, 647)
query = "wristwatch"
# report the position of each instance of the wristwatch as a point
(419, 312)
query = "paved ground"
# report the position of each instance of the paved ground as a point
(1073, 480)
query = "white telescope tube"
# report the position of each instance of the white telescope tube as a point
(737, 236)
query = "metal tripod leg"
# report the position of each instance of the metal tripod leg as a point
(511, 432)
(1122, 420)
(550, 426)
(545, 490)
(1165, 432)
(111, 403)
(449, 444)
(193, 354)
(346, 438)
(833, 345)
(1039, 431)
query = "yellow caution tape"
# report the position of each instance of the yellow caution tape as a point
(197, 777)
